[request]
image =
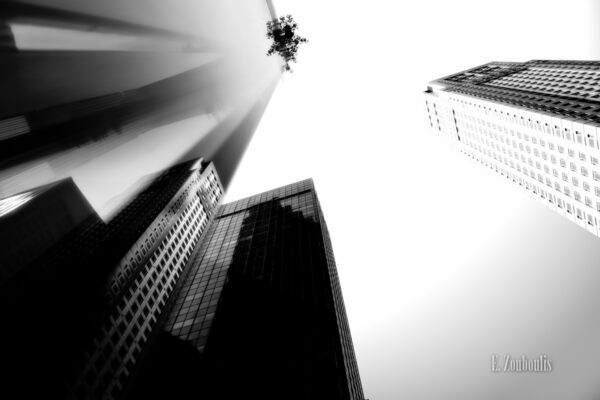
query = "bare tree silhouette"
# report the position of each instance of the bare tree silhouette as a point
(285, 40)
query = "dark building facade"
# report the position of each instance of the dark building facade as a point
(110, 108)
(98, 294)
(259, 314)
(34, 221)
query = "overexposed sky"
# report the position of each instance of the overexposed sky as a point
(442, 262)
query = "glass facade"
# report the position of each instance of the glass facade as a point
(107, 93)
(261, 306)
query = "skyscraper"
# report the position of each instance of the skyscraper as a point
(129, 89)
(34, 221)
(104, 192)
(536, 123)
(260, 312)
(96, 296)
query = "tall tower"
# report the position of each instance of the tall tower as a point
(536, 123)
(93, 90)
(100, 292)
(33, 221)
(260, 312)
(115, 105)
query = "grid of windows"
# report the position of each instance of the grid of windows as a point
(147, 243)
(194, 310)
(552, 155)
(248, 202)
(275, 242)
(485, 73)
(577, 83)
(196, 304)
(562, 88)
(142, 283)
(436, 112)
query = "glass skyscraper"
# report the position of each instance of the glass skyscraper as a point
(260, 312)
(537, 123)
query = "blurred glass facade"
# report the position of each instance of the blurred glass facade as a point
(121, 126)
(107, 93)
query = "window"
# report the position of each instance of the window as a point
(569, 208)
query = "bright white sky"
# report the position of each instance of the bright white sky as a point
(442, 263)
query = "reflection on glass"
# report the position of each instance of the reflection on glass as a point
(10, 204)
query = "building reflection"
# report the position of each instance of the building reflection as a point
(259, 313)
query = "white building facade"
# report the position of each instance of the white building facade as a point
(536, 125)
(141, 284)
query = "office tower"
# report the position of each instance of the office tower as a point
(259, 314)
(537, 123)
(79, 318)
(129, 88)
(34, 221)
(112, 105)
